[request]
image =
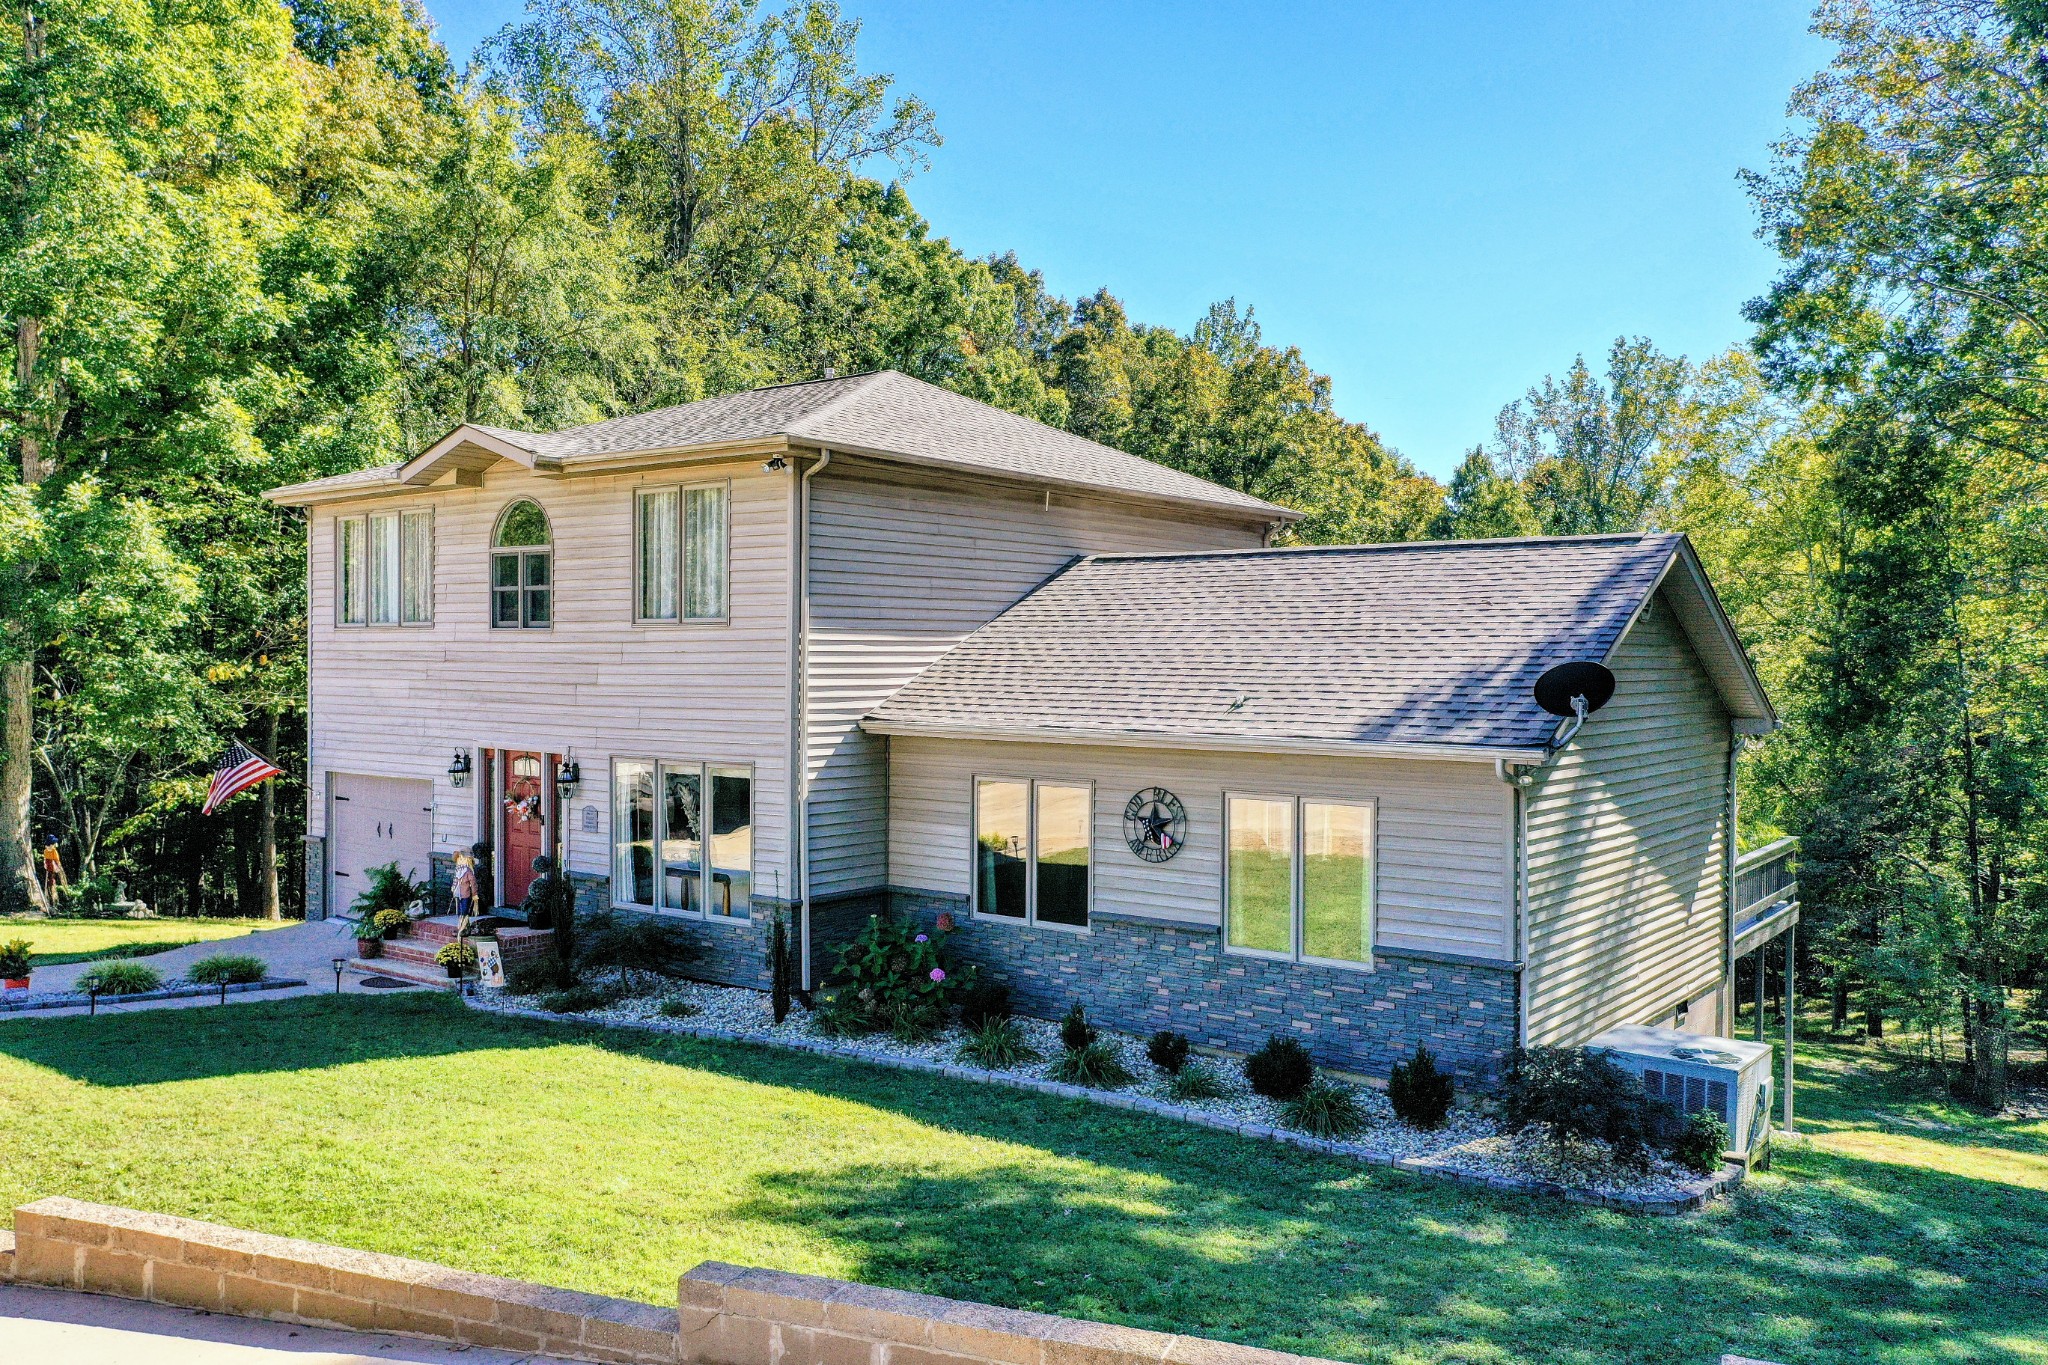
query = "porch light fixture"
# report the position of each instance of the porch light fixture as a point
(567, 775)
(458, 771)
(776, 464)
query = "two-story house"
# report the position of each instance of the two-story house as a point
(865, 646)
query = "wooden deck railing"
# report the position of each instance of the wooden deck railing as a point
(1764, 878)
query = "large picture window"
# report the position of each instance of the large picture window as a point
(522, 569)
(1298, 878)
(680, 568)
(674, 851)
(384, 569)
(1031, 850)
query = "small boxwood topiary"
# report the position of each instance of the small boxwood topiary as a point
(1701, 1142)
(1281, 1069)
(226, 969)
(1421, 1094)
(1075, 1032)
(1168, 1051)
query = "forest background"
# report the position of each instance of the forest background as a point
(245, 243)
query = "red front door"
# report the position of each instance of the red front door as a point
(523, 820)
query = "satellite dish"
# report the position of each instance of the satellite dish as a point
(1580, 678)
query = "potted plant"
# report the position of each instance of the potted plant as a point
(14, 965)
(369, 937)
(458, 957)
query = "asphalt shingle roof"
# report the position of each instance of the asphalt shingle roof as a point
(886, 414)
(1430, 643)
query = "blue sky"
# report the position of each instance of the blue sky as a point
(1438, 203)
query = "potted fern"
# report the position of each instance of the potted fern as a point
(14, 965)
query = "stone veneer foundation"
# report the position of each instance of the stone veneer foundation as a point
(1139, 976)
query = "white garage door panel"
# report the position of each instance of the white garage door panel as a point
(374, 821)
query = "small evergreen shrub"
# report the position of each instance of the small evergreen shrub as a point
(1281, 1069)
(1701, 1142)
(119, 978)
(781, 970)
(1075, 1031)
(227, 969)
(1168, 1051)
(14, 957)
(579, 999)
(1325, 1108)
(982, 1000)
(998, 1044)
(1197, 1080)
(1421, 1094)
(1093, 1064)
(1576, 1094)
(538, 978)
(607, 941)
(675, 1007)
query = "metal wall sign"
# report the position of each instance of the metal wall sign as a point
(1155, 824)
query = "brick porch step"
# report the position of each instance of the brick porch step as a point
(430, 975)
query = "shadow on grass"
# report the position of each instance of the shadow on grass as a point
(1094, 1212)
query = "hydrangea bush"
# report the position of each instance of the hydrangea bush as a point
(893, 977)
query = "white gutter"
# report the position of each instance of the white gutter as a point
(1518, 780)
(800, 647)
(1127, 739)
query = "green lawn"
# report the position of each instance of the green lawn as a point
(610, 1163)
(58, 941)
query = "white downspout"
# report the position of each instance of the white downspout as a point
(801, 682)
(1518, 780)
(1730, 857)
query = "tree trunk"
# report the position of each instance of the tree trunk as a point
(1873, 1018)
(17, 680)
(266, 852)
(1841, 1005)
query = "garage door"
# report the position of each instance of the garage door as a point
(374, 821)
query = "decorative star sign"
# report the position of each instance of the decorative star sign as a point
(1155, 824)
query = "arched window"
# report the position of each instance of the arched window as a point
(522, 569)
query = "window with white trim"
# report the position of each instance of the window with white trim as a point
(1298, 878)
(522, 569)
(1032, 850)
(680, 568)
(384, 569)
(683, 838)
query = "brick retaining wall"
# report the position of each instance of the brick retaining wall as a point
(1139, 976)
(725, 1314)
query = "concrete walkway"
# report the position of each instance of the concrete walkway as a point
(304, 950)
(59, 1327)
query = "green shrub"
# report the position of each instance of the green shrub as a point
(913, 1022)
(781, 969)
(998, 1044)
(1421, 1094)
(1168, 1051)
(892, 975)
(607, 941)
(675, 1007)
(1701, 1142)
(1281, 1069)
(1075, 1032)
(579, 999)
(15, 957)
(1196, 1080)
(1576, 1094)
(982, 1000)
(119, 978)
(538, 978)
(1326, 1108)
(389, 889)
(1095, 1064)
(227, 969)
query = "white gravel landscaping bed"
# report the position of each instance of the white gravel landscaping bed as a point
(1469, 1147)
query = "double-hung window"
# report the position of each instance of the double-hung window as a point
(683, 838)
(1298, 878)
(384, 569)
(1031, 850)
(680, 569)
(523, 569)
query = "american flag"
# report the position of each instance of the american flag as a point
(239, 770)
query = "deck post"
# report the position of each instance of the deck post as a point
(1761, 986)
(1791, 935)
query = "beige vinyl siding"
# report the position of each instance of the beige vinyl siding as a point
(398, 703)
(1444, 876)
(901, 568)
(1625, 845)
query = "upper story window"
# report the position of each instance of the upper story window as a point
(384, 569)
(680, 569)
(523, 569)
(1298, 879)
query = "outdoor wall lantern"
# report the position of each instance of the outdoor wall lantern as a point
(567, 775)
(458, 771)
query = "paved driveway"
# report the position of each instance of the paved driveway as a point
(306, 951)
(58, 1327)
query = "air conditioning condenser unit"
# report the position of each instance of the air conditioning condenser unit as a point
(1692, 1071)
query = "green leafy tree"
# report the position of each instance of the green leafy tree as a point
(1483, 503)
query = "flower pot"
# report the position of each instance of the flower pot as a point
(369, 947)
(454, 970)
(14, 983)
